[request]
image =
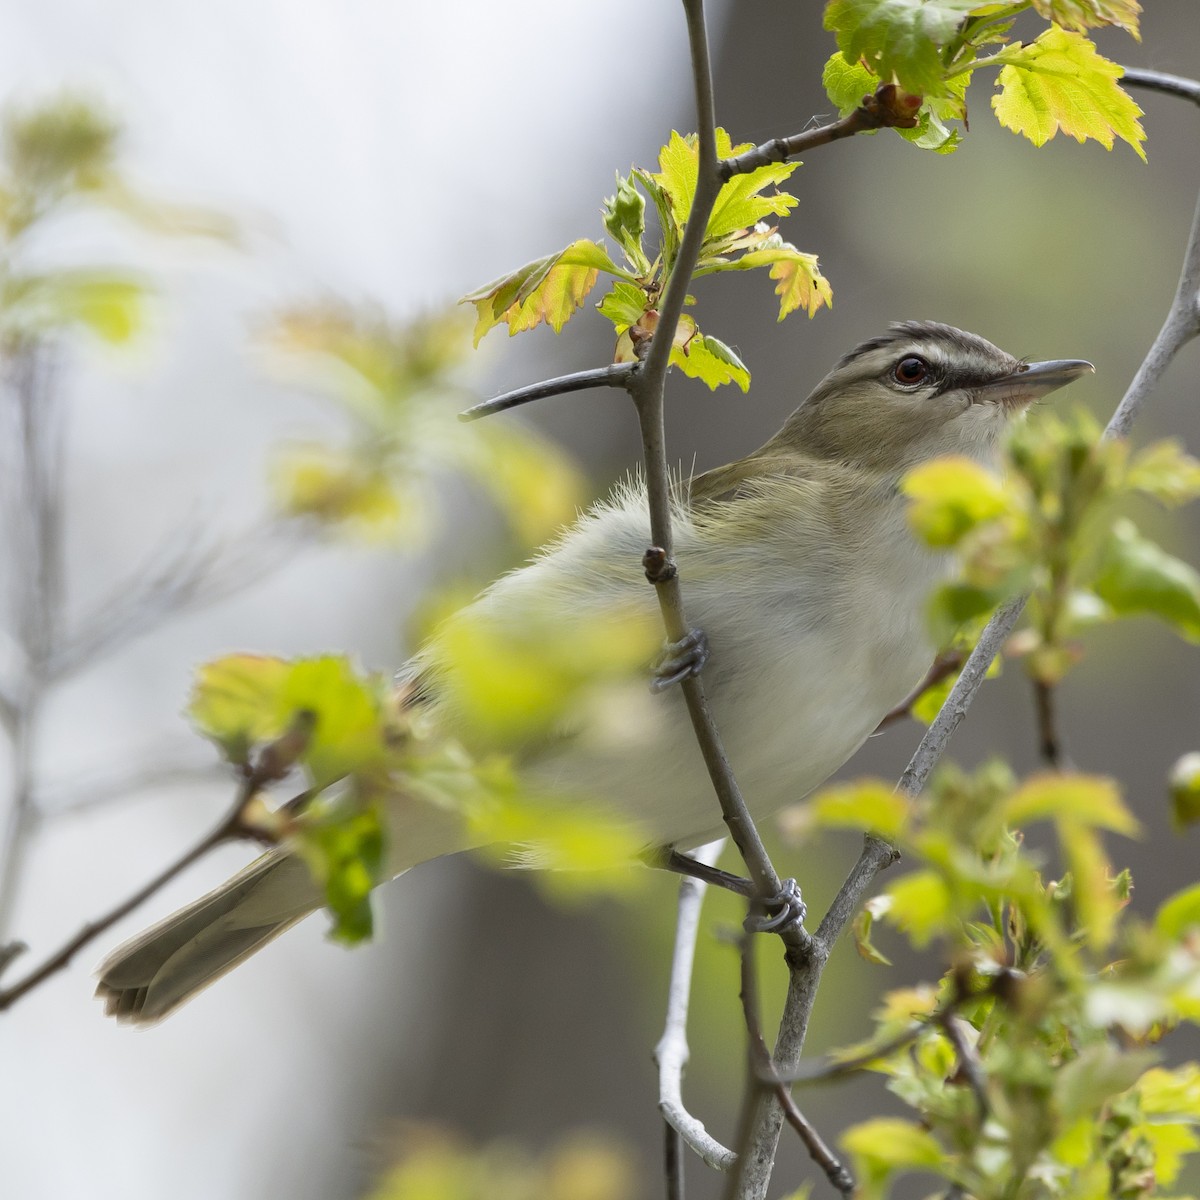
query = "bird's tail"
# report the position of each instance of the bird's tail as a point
(153, 973)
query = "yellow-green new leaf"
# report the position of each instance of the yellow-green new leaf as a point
(951, 496)
(1137, 575)
(1184, 782)
(1087, 799)
(739, 204)
(548, 290)
(1097, 901)
(799, 282)
(1180, 913)
(711, 361)
(921, 906)
(1165, 471)
(1087, 14)
(1061, 82)
(233, 701)
(869, 804)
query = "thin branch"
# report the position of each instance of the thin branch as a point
(968, 1060)
(647, 389)
(671, 1053)
(615, 375)
(186, 572)
(1049, 740)
(1159, 81)
(764, 1079)
(73, 796)
(230, 828)
(887, 107)
(273, 762)
(803, 982)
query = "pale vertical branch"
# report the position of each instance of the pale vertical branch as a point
(671, 1054)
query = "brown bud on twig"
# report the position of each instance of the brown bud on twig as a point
(658, 567)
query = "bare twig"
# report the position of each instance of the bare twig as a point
(969, 1065)
(273, 762)
(888, 106)
(73, 796)
(615, 375)
(1159, 81)
(1049, 740)
(229, 829)
(671, 1053)
(188, 570)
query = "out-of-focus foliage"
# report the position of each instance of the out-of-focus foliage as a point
(434, 1164)
(57, 159)
(931, 49)
(455, 739)
(738, 237)
(1057, 523)
(395, 385)
(1031, 1066)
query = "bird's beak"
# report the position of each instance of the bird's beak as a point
(1031, 381)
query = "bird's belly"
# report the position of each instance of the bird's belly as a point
(789, 716)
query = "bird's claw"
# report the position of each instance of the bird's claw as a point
(791, 906)
(680, 660)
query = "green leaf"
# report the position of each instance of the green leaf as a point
(711, 361)
(233, 702)
(1061, 82)
(1184, 781)
(1097, 897)
(800, 284)
(1165, 472)
(848, 82)
(244, 700)
(339, 487)
(1090, 800)
(899, 39)
(1101, 1071)
(624, 305)
(739, 204)
(868, 804)
(625, 219)
(343, 847)
(549, 289)
(1087, 14)
(1135, 575)
(1179, 913)
(921, 906)
(951, 496)
(892, 1143)
(873, 909)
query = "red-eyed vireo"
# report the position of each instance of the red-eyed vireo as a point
(797, 563)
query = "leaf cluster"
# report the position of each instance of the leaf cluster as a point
(932, 48)
(393, 384)
(1058, 523)
(739, 236)
(56, 159)
(1030, 1067)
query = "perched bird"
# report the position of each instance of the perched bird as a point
(797, 563)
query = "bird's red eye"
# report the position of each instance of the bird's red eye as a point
(910, 370)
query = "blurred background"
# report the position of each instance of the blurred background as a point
(401, 155)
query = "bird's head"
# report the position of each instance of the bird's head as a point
(919, 391)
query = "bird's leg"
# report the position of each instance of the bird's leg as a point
(791, 906)
(667, 858)
(680, 660)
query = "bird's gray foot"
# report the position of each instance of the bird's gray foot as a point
(680, 660)
(791, 910)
